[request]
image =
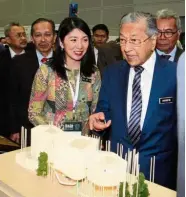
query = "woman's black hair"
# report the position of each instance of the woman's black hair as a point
(88, 60)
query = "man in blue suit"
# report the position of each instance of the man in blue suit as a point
(138, 100)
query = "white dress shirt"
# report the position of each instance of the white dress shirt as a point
(172, 53)
(12, 53)
(96, 54)
(40, 56)
(146, 82)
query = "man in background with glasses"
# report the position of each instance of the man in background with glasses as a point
(16, 42)
(169, 29)
(138, 100)
(16, 39)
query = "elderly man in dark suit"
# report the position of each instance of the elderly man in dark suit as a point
(169, 29)
(138, 100)
(16, 42)
(23, 72)
(16, 39)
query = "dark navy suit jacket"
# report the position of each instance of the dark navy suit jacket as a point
(159, 135)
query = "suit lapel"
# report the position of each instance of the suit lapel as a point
(35, 59)
(177, 55)
(124, 78)
(99, 62)
(156, 89)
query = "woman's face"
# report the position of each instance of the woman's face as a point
(75, 45)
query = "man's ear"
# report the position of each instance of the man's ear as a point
(8, 40)
(154, 39)
(179, 33)
(107, 37)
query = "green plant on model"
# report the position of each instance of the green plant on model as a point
(142, 188)
(42, 169)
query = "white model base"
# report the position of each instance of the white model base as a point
(25, 160)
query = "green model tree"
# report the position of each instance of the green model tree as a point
(121, 190)
(42, 164)
(142, 188)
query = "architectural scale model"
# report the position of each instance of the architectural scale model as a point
(77, 160)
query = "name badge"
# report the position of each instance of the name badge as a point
(86, 79)
(165, 100)
(72, 126)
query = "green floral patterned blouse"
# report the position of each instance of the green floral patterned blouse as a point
(51, 99)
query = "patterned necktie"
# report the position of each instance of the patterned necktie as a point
(166, 56)
(134, 130)
(44, 60)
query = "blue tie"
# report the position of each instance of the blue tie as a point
(167, 57)
(134, 130)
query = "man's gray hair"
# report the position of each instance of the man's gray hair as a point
(8, 27)
(135, 17)
(167, 13)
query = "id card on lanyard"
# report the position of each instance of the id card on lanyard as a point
(74, 94)
(73, 126)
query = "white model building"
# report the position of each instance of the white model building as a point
(76, 157)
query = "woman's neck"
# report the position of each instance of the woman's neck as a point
(73, 65)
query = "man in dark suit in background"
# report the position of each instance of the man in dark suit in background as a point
(169, 29)
(16, 39)
(138, 99)
(16, 43)
(105, 53)
(108, 53)
(23, 72)
(100, 35)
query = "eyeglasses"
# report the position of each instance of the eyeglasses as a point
(133, 41)
(167, 34)
(20, 35)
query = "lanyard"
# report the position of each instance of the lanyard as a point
(74, 94)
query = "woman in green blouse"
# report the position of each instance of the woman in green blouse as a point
(65, 91)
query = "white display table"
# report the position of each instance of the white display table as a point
(16, 181)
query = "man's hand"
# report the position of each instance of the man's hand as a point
(15, 137)
(97, 122)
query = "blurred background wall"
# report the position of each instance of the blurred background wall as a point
(92, 11)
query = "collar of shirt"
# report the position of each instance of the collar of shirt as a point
(172, 53)
(40, 56)
(12, 53)
(149, 64)
(96, 54)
